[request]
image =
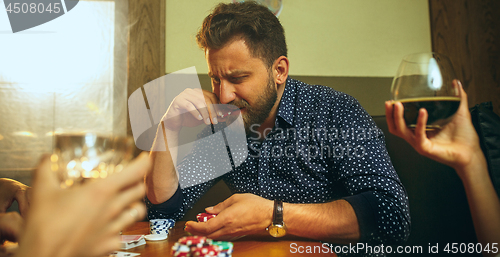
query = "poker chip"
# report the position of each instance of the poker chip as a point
(206, 251)
(170, 223)
(199, 246)
(182, 254)
(160, 226)
(224, 246)
(204, 217)
(193, 240)
(156, 237)
(180, 248)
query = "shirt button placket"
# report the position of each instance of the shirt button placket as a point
(263, 171)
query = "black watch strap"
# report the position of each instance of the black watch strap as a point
(278, 212)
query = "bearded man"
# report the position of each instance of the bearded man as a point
(309, 170)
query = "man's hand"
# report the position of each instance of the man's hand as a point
(239, 215)
(191, 108)
(11, 224)
(454, 145)
(10, 191)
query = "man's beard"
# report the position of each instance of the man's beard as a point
(256, 115)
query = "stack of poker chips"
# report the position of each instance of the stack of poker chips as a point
(226, 248)
(204, 217)
(160, 226)
(206, 251)
(198, 246)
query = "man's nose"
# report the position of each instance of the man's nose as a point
(227, 92)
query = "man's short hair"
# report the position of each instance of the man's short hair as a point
(256, 24)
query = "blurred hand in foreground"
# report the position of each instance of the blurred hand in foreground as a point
(83, 220)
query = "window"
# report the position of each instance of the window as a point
(68, 74)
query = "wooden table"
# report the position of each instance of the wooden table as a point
(252, 245)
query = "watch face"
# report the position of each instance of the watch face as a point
(277, 231)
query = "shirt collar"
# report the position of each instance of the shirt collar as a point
(286, 110)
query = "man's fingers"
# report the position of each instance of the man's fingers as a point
(200, 103)
(215, 209)
(194, 111)
(228, 231)
(197, 228)
(213, 224)
(213, 106)
(186, 106)
(226, 235)
(203, 101)
(205, 228)
(131, 174)
(214, 103)
(191, 99)
(213, 113)
(202, 108)
(220, 206)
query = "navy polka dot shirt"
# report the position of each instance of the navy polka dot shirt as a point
(324, 147)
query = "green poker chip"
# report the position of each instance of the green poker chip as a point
(223, 245)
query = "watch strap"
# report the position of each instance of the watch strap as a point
(278, 212)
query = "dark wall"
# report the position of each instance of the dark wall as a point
(468, 31)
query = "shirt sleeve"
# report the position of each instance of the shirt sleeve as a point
(182, 201)
(375, 192)
(203, 166)
(168, 209)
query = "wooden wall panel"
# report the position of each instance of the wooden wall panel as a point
(468, 31)
(146, 53)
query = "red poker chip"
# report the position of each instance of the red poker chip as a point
(182, 254)
(208, 250)
(192, 240)
(204, 217)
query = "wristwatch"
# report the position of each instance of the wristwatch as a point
(277, 227)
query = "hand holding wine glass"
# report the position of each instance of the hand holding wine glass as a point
(454, 144)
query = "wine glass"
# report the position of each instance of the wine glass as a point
(80, 157)
(425, 80)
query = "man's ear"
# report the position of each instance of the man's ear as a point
(280, 70)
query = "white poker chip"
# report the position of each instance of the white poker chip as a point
(156, 237)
